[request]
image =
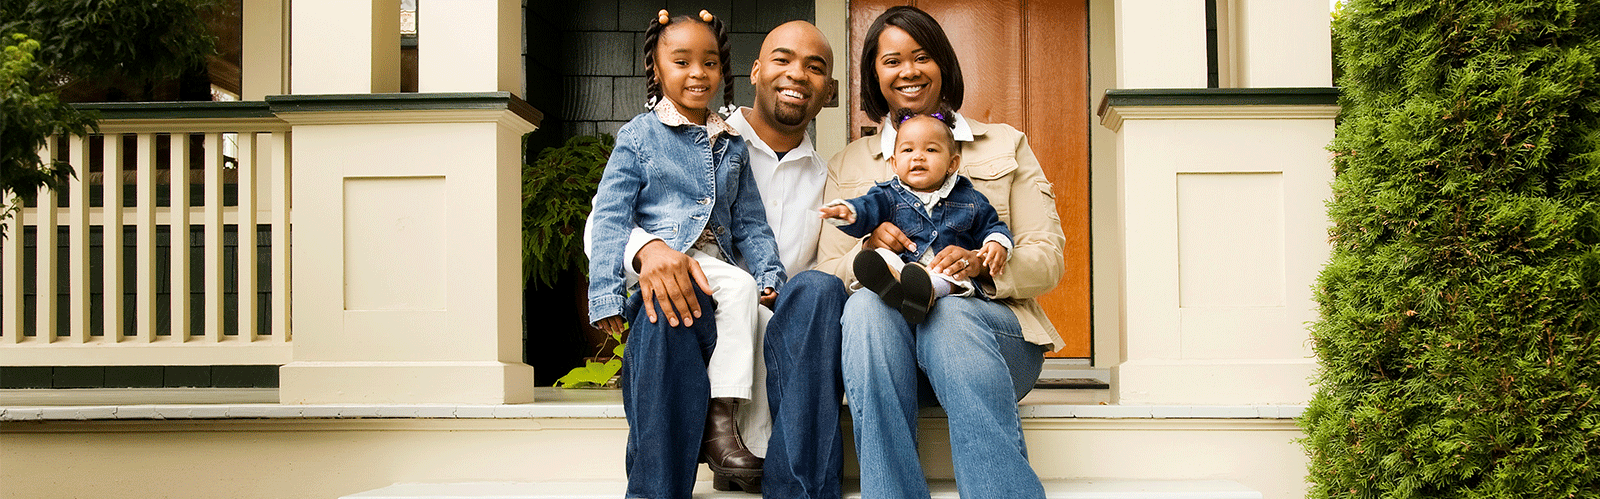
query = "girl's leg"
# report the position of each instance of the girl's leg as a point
(979, 366)
(732, 366)
(880, 381)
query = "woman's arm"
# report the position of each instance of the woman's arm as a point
(1036, 263)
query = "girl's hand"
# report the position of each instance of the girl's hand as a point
(955, 261)
(839, 212)
(888, 236)
(610, 325)
(994, 257)
(769, 298)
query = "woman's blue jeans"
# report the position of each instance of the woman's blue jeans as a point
(971, 353)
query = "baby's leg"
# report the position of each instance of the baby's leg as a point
(732, 364)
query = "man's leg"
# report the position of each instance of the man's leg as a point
(975, 358)
(664, 395)
(805, 454)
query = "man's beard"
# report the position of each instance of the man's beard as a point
(788, 114)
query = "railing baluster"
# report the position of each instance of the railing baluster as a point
(78, 235)
(213, 245)
(11, 274)
(111, 238)
(280, 236)
(247, 236)
(45, 249)
(145, 240)
(180, 236)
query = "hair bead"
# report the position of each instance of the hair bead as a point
(661, 17)
(705, 16)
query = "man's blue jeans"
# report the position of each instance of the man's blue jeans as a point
(664, 394)
(971, 353)
(806, 452)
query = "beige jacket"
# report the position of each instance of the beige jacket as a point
(1003, 168)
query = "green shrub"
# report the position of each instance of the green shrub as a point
(1459, 308)
(557, 188)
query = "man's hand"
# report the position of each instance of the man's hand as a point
(610, 325)
(994, 258)
(888, 236)
(839, 212)
(769, 298)
(667, 278)
(955, 261)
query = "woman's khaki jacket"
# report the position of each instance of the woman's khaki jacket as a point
(1003, 168)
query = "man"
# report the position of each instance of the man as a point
(801, 342)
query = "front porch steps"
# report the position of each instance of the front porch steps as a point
(942, 489)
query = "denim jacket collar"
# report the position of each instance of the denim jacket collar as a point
(669, 116)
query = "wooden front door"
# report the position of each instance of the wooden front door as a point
(1025, 63)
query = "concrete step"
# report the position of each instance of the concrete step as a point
(942, 489)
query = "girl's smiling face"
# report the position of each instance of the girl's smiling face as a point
(924, 153)
(689, 67)
(907, 75)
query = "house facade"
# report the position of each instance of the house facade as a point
(383, 301)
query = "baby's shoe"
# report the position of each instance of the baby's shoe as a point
(908, 289)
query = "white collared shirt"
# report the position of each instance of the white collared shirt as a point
(791, 190)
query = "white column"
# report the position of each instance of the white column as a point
(1282, 43)
(470, 46)
(265, 61)
(407, 257)
(1161, 43)
(345, 46)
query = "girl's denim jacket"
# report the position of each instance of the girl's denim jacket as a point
(964, 219)
(674, 182)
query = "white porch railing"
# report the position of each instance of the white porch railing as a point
(96, 274)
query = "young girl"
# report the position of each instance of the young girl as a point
(681, 174)
(933, 206)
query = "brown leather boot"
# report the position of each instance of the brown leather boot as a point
(733, 466)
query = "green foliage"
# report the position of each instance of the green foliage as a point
(595, 374)
(136, 40)
(1460, 307)
(27, 118)
(557, 189)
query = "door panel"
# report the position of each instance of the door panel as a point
(1025, 63)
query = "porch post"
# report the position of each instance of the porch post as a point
(407, 255)
(345, 46)
(470, 46)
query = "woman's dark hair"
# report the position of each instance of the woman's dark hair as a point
(927, 33)
(652, 34)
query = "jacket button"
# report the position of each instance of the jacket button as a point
(935, 234)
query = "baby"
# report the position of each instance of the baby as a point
(934, 207)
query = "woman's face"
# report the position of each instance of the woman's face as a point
(907, 75)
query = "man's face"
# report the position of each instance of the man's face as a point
(792, 76)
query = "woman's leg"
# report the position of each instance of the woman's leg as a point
(979, 366)
(664, 395)
(880, 381)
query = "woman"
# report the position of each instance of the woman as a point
(977, 356)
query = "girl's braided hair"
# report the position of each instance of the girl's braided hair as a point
(652, 34)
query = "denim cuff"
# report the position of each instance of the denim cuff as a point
(604, 306)
(768, 280)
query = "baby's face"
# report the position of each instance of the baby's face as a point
(924, 153)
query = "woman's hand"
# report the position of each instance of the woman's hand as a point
(955, 261)
(888, 236)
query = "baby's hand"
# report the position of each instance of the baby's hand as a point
(994, 257)
(610, 325)
(769, 298)
(839, 212)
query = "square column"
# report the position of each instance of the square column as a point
(470, 46)
(406, 245)
(345, 46)
(1160, 44)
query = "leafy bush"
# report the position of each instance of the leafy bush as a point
(557, 188)
(1461, 304)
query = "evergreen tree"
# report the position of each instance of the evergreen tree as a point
(1461, 304)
